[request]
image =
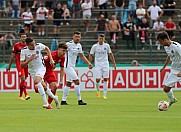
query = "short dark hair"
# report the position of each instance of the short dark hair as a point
(29, 40)
(77, 32)
(101, 35)
(162, 36)
(22, 34)
(63, 45)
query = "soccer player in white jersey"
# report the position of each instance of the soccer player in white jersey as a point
(101, 50)
(173, 50)
(74, 50)
(31, 56)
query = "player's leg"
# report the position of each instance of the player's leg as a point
(66, 90)
(24, 72)
(98, 76)
(77, 91)
(51, 79)
(37, 81)
(49, 93)
(170, 82)
(105, 85)
(53, 87)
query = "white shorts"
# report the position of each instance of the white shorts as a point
(172, 79)
(39, 72)
(71, 74)
(101, 72)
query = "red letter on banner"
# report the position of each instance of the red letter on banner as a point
(135, 79)
(119, 78)
(151, 78)
(9, 80)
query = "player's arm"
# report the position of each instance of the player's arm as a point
(167, 61)
(10, 61)
(90, 57)
(24, 62)
(81, 55)
(113, 60)
(61, 75)
(52, 63)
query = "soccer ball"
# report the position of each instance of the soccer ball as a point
(163, 105)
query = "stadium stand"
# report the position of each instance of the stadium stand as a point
(123, 56)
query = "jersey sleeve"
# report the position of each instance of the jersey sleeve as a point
(46, 58)
(22, 56)
(92, 51)
(14, 50)
(108, 48)
(41, 46)
(81, 49)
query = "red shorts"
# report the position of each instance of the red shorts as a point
(50, 77)
(23, 72)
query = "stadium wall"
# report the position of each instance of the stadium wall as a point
(122, 79)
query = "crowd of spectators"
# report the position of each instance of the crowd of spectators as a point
(129, 16)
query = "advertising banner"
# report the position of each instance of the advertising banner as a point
(122, 79)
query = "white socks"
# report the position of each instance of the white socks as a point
(66, 90)
(97, 86)
(42, 92)
(49, 93)
(77, 91)
(170, 94)
(105, 88)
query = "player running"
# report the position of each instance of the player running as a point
(58, 57)
(31, 56)
(22, 72)
(173, 50)
(74, 49)
(101, 50)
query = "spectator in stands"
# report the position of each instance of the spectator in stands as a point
(103, 5)
(101, 26)
(158, 27)
(143, 29)
(170, 27)
(28, 18)
(140, 13)
(129, 27)
(179, 26)
(76, 8)
(147, 3)
(119, 6)
(66, 15)
(169, 4)
(57, 15)
(2, 8)
(86, 8)
(15, 6)
(153, 13)
(1, 41)
(9, 37)
(41, 14)
(114, 28)
(38, 3)
(135, 63)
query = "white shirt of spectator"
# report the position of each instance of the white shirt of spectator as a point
(100, 2)
(37, 62)
(72, 53)
(101, 54)
(87, 6)
(140, 11)
(154, 12)
(27, 17)
(41, 13)
(159, 27)
(174, 52)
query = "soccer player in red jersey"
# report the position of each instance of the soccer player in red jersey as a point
(49, 77)
(22, 72)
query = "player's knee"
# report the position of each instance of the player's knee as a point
(166, 89)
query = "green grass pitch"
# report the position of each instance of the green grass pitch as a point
(121, 112)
